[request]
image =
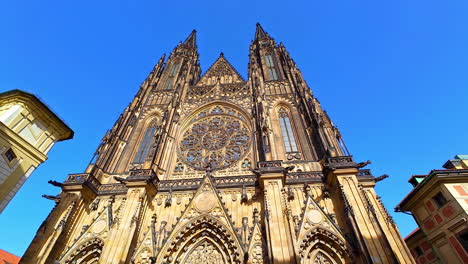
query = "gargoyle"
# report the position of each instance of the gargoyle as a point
(363, 164)
(56, 183)
(54, 198)
(256, 171)
(120, 179)
(382, 177)
(288, 169)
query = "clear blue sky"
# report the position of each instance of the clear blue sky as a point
(391, 74)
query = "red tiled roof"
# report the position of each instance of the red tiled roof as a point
(412, 233)
(8, 258)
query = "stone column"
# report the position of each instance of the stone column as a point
(141, 189)
(376, 236)
(271, 178)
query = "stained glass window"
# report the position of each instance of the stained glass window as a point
(170, 79)
(271, 68)
(287, 132)
(216, 139)
(145, 143)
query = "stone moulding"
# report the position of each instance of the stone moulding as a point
(304, 177)
(341, 162)
(269, 164)
(86, 179)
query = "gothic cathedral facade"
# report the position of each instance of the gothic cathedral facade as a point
(217, 169)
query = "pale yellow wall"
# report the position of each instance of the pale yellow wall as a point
(14, 173)
(30, 138)
(27, 124)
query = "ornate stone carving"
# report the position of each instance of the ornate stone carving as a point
(217, 137)
(87, 252)
(321, 258)
(268, 164)
(204, 253)
(205, 202)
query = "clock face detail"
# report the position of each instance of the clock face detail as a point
(217, 137)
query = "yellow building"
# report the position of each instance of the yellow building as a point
(28, 130)
(215, 169)
(439, 204)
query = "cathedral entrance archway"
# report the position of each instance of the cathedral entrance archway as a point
(321, 246)
(203, 240)
(87, 253)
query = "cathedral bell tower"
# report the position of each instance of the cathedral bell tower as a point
(215, 168)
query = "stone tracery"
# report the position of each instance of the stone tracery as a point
(203, 234)
(322, 258)
(204, 252)
(217, 137)
(317, 242)
(87, 253)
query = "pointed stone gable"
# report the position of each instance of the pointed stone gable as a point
(316, 227)
(206, 201)
(148, 244)
(256, 249)
(313, 216)
(206, 211)
(98, 229)
(221, 70)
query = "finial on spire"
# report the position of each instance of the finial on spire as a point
(191, 39)
(260, 33)
(221, 54)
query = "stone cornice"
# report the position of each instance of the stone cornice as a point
(21, 143)
(434, 178)
(138, 177)
(40, 109)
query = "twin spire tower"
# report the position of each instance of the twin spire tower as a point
(214, 168)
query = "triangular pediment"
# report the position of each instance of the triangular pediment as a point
(205, 214)
(314, 216)
(221, 71)
(99, 228)
(206, 201)
(256, 247)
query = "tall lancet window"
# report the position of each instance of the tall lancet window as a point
(286, 131)
(170, 79)
(271, 68)
(146, 143)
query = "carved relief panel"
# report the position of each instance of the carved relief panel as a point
(218, 136)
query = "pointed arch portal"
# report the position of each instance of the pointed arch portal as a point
(87, 253)
(321, 246)
(206, 241)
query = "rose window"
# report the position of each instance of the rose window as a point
(216, 138)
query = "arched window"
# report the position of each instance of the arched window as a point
(286, 131)
(170, 79)
(271, 68)
(145, 143)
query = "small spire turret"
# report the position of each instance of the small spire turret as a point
(191, 40)
(260, 33)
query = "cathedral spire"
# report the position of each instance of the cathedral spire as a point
(260, 33)
(191, 40)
